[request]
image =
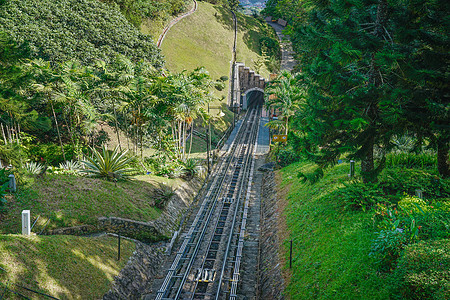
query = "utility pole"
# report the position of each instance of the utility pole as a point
(208, 142)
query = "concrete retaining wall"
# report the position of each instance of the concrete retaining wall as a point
(154, 230)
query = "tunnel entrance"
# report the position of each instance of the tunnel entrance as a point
(251, 97)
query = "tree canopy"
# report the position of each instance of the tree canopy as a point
(83, 30)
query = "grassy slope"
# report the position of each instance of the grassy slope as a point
(330, 258)
(65, 267)
(69, 201)
(332, 244)
(206, 39)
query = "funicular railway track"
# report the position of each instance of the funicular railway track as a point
(207, 264)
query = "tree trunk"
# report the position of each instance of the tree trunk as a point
(116, 125)
(57, 129)
(192, 133)
(367, 164)
(442, 157)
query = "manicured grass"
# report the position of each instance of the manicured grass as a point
(332, 243)
(331, 246)
(205, 38)
(68, 200)
(65, 267)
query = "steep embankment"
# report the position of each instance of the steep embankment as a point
(363, 241)
(205, 38)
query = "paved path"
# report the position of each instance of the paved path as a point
(287, 55)
(173, 22)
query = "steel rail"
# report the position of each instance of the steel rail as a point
(197, 246)
(245, 153)
(208, 204)
(252, 141)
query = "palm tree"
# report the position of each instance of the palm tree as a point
(44, 82)
(286, 96)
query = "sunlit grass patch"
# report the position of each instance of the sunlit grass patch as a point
(66, 267)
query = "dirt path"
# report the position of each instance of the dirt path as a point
(287, 55)
(173, 22)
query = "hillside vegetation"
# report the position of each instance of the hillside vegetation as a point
(356, 241)
(84, 30)
(65, 267)
(68, 200)
(205, 38)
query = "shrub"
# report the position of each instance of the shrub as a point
(434, 219)
(411, 160)
(162, 195)
(397, 181)
(423, 271)
(191, 167)
(51, 153)
(71, 165)
(111, 165)
(34, 168)
(286, 157)
(359, 196)
(396, 231)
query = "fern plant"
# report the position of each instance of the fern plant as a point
(110, 165)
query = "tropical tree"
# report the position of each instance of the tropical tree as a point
(284, 95)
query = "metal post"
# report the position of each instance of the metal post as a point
(352, 169)
(419, 194)
(118, 247)
(12, 183)
(290, 257)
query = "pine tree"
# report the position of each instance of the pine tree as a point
(348, 62)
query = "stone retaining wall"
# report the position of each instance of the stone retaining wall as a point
(270, 277)
(161, 228)
(133, 280)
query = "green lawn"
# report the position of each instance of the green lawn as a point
(68, 200)
(205, 38)
(65, 267)
(332, 243)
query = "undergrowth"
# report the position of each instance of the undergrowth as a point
(364, 241)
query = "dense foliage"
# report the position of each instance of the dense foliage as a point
(371, 72)
(84, 30)
(356, 240)
(136, 10)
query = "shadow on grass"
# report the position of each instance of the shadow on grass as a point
(62, 266)
(68, 200)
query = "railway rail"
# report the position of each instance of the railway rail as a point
(207, 264)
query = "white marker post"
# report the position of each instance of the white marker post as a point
(26, 228)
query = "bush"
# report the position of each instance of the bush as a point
(411, 160)
(423, 271)
(397, 181)
(286, 157)
(51, 153)
(191, 167)
(34, 168)
(111, 165)
(162, 195)
(359, 196)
